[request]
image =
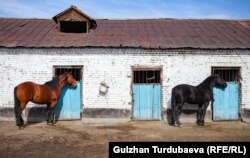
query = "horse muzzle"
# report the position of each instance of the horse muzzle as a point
(74, 85)
(225, 85)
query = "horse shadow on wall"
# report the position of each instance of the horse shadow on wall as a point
(38, 113)
(189, 110)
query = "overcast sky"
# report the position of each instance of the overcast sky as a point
(130, 9)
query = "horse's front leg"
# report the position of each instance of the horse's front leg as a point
(51, 116)
(199, 114)
(49, 113)
(203, 114)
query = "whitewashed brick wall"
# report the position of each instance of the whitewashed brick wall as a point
(114, 67)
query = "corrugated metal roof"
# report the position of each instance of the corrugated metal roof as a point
(143, 33)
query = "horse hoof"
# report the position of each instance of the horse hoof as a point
(49, 123)
(201, 124)
(180, 125)
(21, 127)
(175, 125)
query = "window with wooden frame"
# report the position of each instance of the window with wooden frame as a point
(147, 76)
(73, 20)
(229, 74)
(75, 70)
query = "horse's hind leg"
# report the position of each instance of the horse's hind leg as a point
(18, 108)
(173, 108)
(20, 121)
(178, 113)
(173, 115)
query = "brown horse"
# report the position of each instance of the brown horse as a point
(48, 93)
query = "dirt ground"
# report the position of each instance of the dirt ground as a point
(79, 139)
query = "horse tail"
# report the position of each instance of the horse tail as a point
(173, 106)
(16, 103)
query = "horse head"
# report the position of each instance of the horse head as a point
(70, 80)
(220, 81)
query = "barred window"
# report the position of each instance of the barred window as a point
(146, 77)
(75, 70)
(229, 74)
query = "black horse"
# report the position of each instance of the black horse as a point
(201, 95)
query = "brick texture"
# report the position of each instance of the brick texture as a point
(114, 67)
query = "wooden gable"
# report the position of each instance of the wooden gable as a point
(72, 15)
(73, 20)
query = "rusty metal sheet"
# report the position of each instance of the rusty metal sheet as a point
(142, 33)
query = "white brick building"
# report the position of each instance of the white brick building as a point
(111, 57)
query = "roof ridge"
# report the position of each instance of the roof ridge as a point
(234, 20)
(17, 18)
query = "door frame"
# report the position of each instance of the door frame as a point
(80, 76)
(145, 68)
(238, 68)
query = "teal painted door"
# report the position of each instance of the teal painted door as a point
(226, 102)
(147, 102)
(69, 104)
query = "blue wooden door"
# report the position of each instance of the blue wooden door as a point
(226, 102)
(69, 104)
(147, 102)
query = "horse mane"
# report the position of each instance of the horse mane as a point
(53, 83)
(206, 84)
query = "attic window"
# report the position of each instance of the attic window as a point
(72, 20)
(73, 26)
